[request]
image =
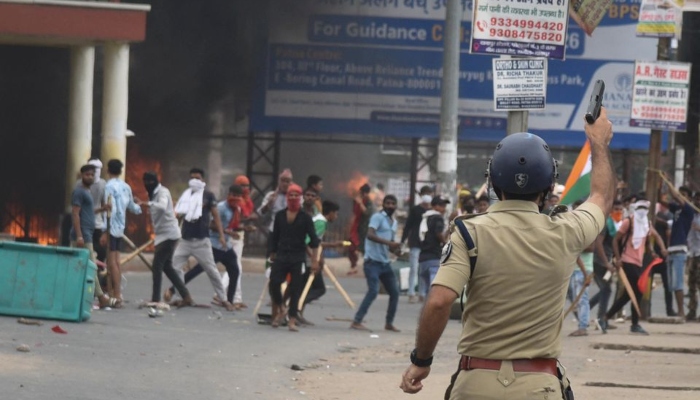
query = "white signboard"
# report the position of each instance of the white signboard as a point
(660, 95)
(519, 83)
(520, 28)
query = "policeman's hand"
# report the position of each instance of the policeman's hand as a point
(601, 131)
(412, 379)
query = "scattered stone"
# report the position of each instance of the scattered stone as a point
(23, 348)
(296, 368)
(27, 321)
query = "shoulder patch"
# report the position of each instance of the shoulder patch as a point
(446, 252)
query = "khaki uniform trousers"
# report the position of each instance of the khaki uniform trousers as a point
(484, 384)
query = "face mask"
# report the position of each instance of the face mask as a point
(294, 205)
(233, 201)
(150, 188)
(616, 216)
(246, 192)
(389, 211)
(641, 213)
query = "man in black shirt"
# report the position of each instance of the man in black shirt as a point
(288, 253)
(198, 206)
(433, 237)
(410, 233)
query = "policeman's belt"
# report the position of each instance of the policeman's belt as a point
(541, 365)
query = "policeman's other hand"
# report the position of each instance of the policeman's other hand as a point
(412, 379)
(601, 131)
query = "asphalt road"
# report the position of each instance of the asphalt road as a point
(193, 353)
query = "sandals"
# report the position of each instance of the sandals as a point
(108, 302)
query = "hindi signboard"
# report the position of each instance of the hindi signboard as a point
(660, 95)
(519, 83)
(657, 18)
(535, 28)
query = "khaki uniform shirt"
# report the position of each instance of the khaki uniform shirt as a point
(515, 300)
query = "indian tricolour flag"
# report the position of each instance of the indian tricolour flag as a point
(578, 185)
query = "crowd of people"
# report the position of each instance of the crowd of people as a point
(212, 232)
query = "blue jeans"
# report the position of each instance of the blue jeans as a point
(374, 272)
(602, 298)
(413, 272)
(583, 308)
(676, 269)
(426, 272)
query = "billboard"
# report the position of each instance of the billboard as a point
(375, 66)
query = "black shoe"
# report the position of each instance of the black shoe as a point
(671, 313)
(637, 329)
(691, 318)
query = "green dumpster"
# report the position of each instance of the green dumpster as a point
(46, 282)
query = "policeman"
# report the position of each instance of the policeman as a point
(516, 264)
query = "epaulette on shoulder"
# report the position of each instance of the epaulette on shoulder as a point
(558, 209)
(463, 218)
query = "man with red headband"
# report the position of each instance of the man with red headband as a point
(288, 254)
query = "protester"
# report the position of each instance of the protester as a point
(288, 253)
(167, 234)
(119, 199)
(83, 229)
(362, 210)
(197, 206)
(411, 234)
(432, 237)
(276, 200)
(377, 266)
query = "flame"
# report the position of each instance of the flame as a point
(41, 228)
(352, 186)
(139, 228)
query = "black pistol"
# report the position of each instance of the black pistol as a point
(596, 102)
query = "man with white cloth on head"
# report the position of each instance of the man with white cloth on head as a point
(198, 206)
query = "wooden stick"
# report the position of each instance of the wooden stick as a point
(579, 295)
(138, 251)
(262, 297)
(670, 184)
(630, 291)
(339, 287)
(309, 282)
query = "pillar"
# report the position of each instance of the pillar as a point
(79, 144)
(115, 102)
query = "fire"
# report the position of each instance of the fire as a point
(139, 228)
(352, 186)
(34, 227)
